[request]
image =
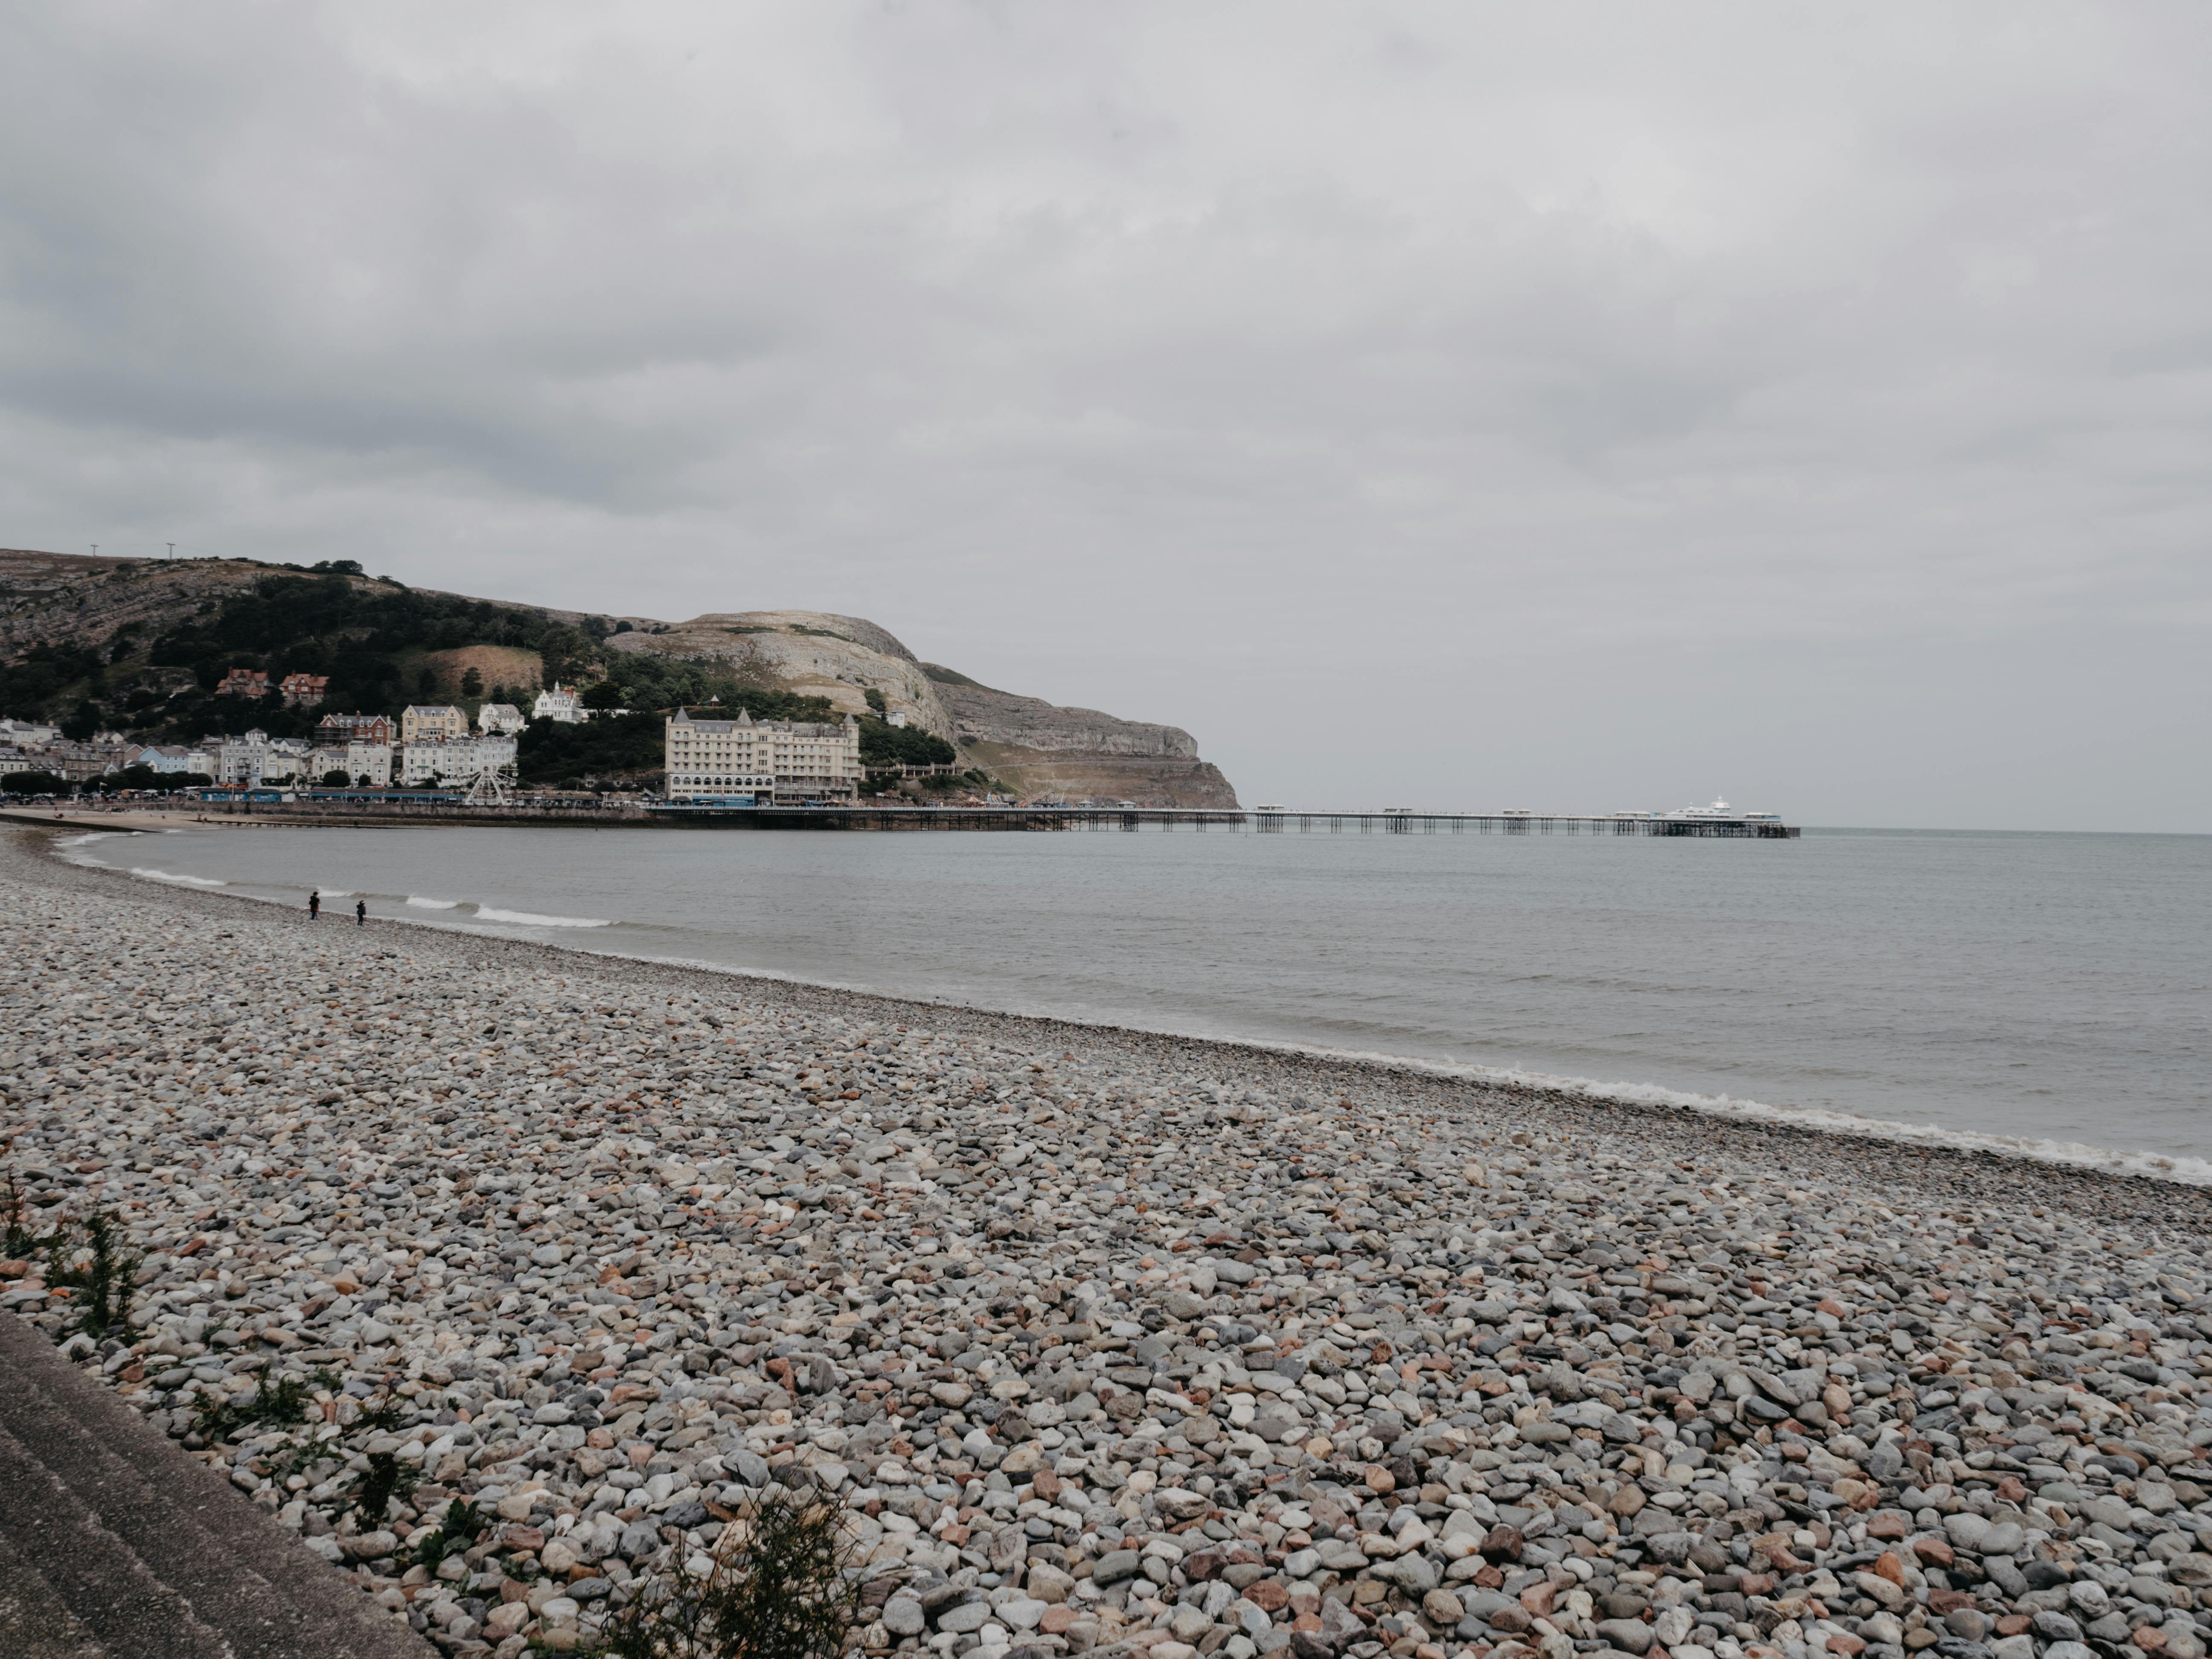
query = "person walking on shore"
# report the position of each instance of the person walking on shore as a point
(315, 904)
(361, 912)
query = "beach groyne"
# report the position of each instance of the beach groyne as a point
(1102, 1340)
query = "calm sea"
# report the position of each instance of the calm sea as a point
(2053, 988)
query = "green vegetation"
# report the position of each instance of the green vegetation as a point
(458, 1530)
(946, 783)
(35, 783)
(17, 1241)
(944, 676)
(885, 745)
(607, 749)
(281, 1405)
(779, 1587)
(317, 622)
(86, 1261)
(44, 676)
(387, 1479)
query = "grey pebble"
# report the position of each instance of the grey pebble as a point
(918, 1261)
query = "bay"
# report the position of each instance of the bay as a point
(2042, 987)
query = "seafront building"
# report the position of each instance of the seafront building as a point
(365, 764)
(253, 760)
(762, 762)
(455, 760)
(503, 718)
(168, 759)
(422, 721)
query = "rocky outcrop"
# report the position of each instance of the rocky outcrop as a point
(813, 652)
(980, 714)
(1042, 748)
(1070, 775)
(76, 600)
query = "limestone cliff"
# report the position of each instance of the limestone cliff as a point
(813, 652)
(1041, 748)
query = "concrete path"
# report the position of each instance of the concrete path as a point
(115, 1545)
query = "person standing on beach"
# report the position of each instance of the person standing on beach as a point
(315, 904)
(361, 912)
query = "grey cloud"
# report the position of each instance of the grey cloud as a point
(1420, 386)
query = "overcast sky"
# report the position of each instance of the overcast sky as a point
(1568, 406)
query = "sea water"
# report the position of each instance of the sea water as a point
(2051, 989)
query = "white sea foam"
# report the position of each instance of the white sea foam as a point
(434, 904)
(63, 848)
(175, 880)
(525, 918)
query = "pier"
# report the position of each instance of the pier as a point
(1127, 819)
(339, 808)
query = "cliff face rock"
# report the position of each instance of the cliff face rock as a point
(813, 652)
(1041, 748)
(76, 601)
(980, 714)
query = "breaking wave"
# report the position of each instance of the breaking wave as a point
(525, 918)
(434, 904)
(175, 880)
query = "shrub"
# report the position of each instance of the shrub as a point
(97, 1275)
(283, 1404)
(780, 1585)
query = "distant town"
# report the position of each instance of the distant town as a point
(710, 759)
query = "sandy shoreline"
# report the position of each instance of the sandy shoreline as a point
(1105, 1340)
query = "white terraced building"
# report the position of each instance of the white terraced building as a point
(769, 760)
(455, 761)
(368, 763)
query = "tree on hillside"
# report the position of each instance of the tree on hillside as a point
(472, 683)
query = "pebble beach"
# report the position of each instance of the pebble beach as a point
(1103, 1342)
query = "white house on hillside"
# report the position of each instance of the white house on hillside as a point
(558, 704)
